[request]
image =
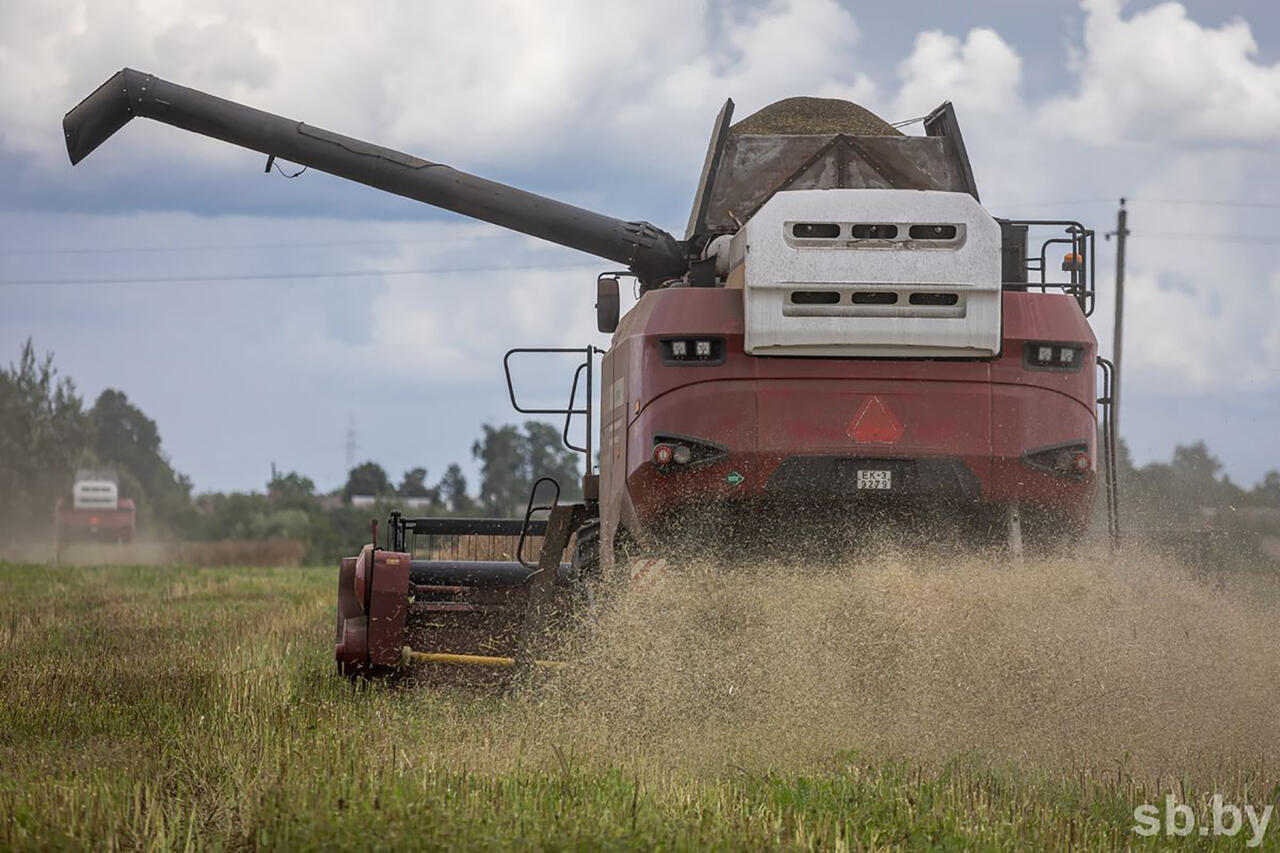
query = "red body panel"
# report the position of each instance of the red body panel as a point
(985, 413)
(106, 524)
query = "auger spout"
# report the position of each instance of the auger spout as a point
(651, 253)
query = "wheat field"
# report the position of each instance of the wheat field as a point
(880, 706)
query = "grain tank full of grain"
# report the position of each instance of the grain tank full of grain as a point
(823, 143)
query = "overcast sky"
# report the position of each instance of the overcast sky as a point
(391, 316)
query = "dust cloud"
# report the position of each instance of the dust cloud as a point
(1060, 664)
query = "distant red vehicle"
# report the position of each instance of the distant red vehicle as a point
(96, 513)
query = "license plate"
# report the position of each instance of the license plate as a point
(875, 479)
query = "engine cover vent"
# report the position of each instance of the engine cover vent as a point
(924, 284)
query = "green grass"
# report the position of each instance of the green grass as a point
(185, 708)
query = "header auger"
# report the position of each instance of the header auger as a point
(844, 336)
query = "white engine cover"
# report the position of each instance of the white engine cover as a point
(895, 296)
(95, 494)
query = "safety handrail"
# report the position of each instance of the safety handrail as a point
(529, 510)
(1081, 240)
(1110, 471)
(589, 353)
(570, 412)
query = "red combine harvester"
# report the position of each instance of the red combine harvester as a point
(844, 334)
(97, 512)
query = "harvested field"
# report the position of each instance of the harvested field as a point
(894, 703)
(227, 552)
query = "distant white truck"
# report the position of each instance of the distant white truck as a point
(96, 511)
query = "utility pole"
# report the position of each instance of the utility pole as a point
(1117, 339)
(351, 444)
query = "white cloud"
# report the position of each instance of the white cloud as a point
(1199, 310)
(1200, 318)
(981, 74)
(1159, 75)
(217, 53)
(454, 324)
(485, 80)
(1210, 336)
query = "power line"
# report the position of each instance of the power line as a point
(1255, 239)
(1150, 200)
(234, 247)
(1208, 202)
(175, 279)
(1066, 203)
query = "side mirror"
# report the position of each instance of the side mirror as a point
(607, 304)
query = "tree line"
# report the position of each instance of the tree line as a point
(47, 433)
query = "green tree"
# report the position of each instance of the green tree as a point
(504, 485)
(43, 434)
(414, 485)
(1193, 478)
(548, 457)
(367, 479)
(127, 439)
(1124, 459)
(282, 524)
(453, 491)
(291, 491)
(511, 460)
(233, 516)
(1269, 489)
(1195, 465)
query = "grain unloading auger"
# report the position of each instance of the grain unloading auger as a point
(843, 335)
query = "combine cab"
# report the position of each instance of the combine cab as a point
(844, 333)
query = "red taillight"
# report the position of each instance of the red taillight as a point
(672, 454)
(1082, 462)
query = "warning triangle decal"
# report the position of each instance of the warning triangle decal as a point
(875, 423)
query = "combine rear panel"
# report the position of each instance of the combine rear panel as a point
(111, 525)
(839, 433)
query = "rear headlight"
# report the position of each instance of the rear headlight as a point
(692, 351)
(1053, 356)
(1070, 460)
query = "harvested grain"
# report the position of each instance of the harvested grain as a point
(806, 116)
